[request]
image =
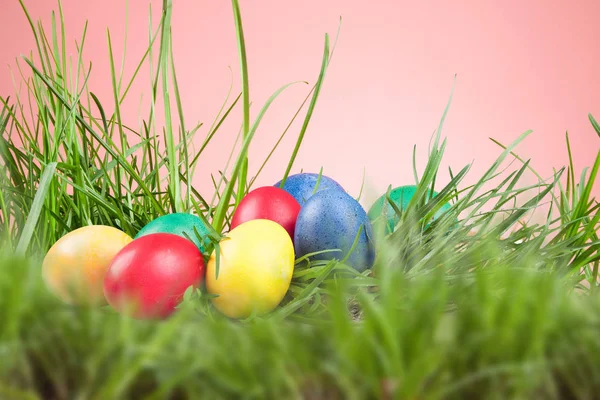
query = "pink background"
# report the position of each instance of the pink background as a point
(521, 65)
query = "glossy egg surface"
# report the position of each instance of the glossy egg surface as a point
(270, 203)
(75, 266)
(256, 263)
(148, 277)
(180, 224)
(401, 196)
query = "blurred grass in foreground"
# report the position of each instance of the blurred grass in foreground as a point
(504, 331)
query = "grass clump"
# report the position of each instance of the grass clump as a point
(504, 331)
(481, 303)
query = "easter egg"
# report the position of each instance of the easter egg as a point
(75, 266)
(256, 263)
(181, 224)
(148, 278)
(401, 196)
(270, 203)
(302, 186)
(329, 220)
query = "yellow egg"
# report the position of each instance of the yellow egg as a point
(255, 269)
(75, 266)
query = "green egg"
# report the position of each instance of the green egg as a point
(181, 224)
(401, 196)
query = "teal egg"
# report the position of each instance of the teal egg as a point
(401, 196)
(181, 224)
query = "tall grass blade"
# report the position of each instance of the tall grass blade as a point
(245, 96)
(309, 113)
(36, 209)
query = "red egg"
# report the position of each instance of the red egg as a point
(270, 203)
(148, 277)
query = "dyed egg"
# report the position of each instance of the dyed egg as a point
(180, 224)
(331, 220)
(148, 278)
(401, 196)
(302, 186)
(256, 264)
(74, 268)
(269, 203)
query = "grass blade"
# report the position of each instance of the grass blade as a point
(36, 209)
(309, 113)
(245, 96)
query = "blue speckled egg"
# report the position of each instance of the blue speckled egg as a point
(301, 186)
(329, 220)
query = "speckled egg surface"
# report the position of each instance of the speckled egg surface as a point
(401, 196)
(302, 186)
(180, 224)
(329, 220)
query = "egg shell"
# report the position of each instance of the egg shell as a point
(301, 186)
(401, 196)
(256, 265)
(75, 266)
(270, 203)
(331, 219)
(148, 278)
(180, 224)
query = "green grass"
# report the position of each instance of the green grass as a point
(481, 303)
(504, 331)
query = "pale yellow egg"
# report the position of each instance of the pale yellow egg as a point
(75, 265)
